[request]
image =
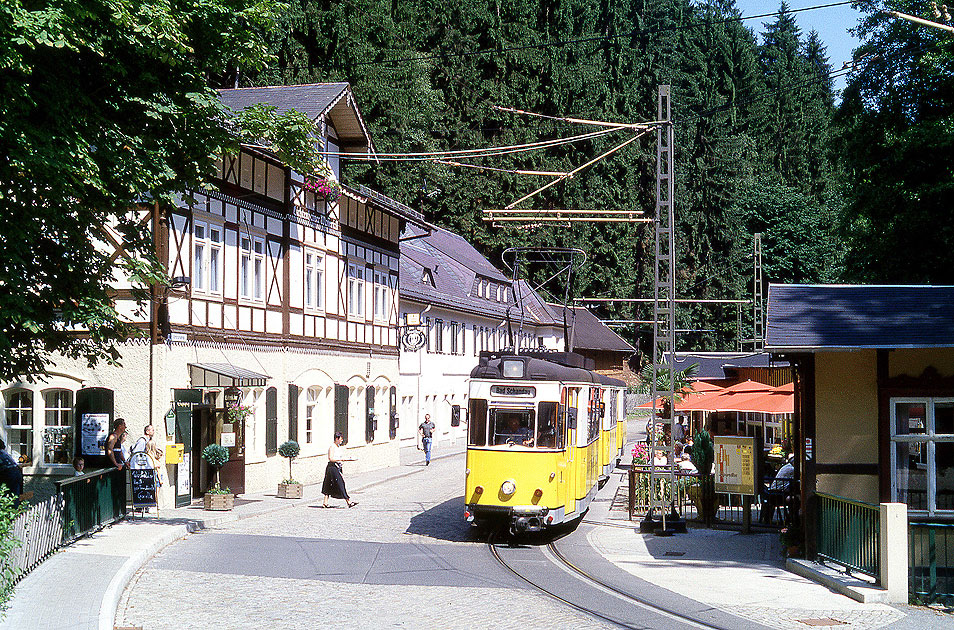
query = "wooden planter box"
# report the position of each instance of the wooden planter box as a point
(219, 501)
(290, 490)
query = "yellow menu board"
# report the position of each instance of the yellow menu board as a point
(734, 464)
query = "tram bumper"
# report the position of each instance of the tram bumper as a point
(522, 518)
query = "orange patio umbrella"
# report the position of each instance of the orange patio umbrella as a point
(695, 390)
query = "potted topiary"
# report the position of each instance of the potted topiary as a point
(289, 488)
(216, 497)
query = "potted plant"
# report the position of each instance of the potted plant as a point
(289, 488)
(216, 497)
(702, 493)
(322, 184)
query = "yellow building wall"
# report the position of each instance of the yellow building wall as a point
(913, 362)
(846, 420)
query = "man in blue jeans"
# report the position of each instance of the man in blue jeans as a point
(427, 429)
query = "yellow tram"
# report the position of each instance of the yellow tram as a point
(541, 438)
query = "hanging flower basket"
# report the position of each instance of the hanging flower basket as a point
(323, 187)
(237, 412)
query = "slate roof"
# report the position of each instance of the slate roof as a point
(454, 265)
(711, 365)
(589, 333)
(314, 100)
(827, 317)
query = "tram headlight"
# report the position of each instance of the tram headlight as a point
(508, 487)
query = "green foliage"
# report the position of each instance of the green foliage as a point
(8, 545)
(217, 489)
(896, 147)
(428, 76)
(702, 452)
(106, 107)
(216, 455)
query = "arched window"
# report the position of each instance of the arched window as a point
(311, 413)
(19, 418)
(58, 429)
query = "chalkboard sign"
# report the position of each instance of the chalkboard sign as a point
(143, 487)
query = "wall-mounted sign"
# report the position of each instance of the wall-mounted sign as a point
(734, 464)
(94, 428)
(228, 439)
(183, 480)
(412, 319)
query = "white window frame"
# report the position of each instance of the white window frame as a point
(207, 258)
(58, 415)
(252, 267)
(25, 416)
(382, 302)
(928, 440)
(356, 282)
(314, 279)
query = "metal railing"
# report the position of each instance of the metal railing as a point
(91, 501)
(81, 505)
(639, 490)
(849, 534)
(931, 562)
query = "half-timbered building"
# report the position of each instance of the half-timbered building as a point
(279, 322)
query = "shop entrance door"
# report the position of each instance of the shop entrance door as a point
(209, 427)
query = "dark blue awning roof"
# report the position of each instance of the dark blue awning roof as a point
(828, 317)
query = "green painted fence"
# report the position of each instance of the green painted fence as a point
(931, 562)
(91, 501)
(849, 534)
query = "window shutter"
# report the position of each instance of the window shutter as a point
(271, 421)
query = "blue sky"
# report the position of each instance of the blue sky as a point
(832, 25)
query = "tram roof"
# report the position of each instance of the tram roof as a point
(491, 367)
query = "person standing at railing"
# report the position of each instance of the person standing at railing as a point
(114, 445)
(11, 475)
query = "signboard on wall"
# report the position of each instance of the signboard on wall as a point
(735, 464)
(94, 429)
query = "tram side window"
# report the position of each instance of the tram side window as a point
(512, 426)
(551, 426)
(477, 422)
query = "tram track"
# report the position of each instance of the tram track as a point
(553, 554)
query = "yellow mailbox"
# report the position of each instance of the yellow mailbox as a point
(174, 453)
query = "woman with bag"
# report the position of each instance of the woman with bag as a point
(334, 484)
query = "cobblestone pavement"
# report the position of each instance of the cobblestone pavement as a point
(402, 558)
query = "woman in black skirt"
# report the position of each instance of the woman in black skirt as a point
(334, 484)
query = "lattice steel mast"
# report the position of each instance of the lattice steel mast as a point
(662, 477)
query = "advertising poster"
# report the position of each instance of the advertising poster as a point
(184, 485)
(94, 428)
(734, 464)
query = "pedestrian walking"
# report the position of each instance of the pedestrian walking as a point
(427, 431)
(334, 484)
(147, 454)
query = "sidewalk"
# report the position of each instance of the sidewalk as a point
(79, 587)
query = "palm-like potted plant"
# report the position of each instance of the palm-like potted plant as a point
(289, 488)
(217, 497)
(702, 454)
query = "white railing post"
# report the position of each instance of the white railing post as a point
(893, 551)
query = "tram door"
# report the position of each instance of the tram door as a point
(569, 397)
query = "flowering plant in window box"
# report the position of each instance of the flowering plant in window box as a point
(323, 185)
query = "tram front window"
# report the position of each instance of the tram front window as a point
(512, 426)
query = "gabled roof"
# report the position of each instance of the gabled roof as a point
(454, 265)
(589, 333)
(831, 317)
(316, 100)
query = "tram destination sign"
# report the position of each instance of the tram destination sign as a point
(735, 464)
(513, 390)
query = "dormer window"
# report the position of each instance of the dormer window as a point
(427, 278)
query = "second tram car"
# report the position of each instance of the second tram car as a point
(541, 437)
